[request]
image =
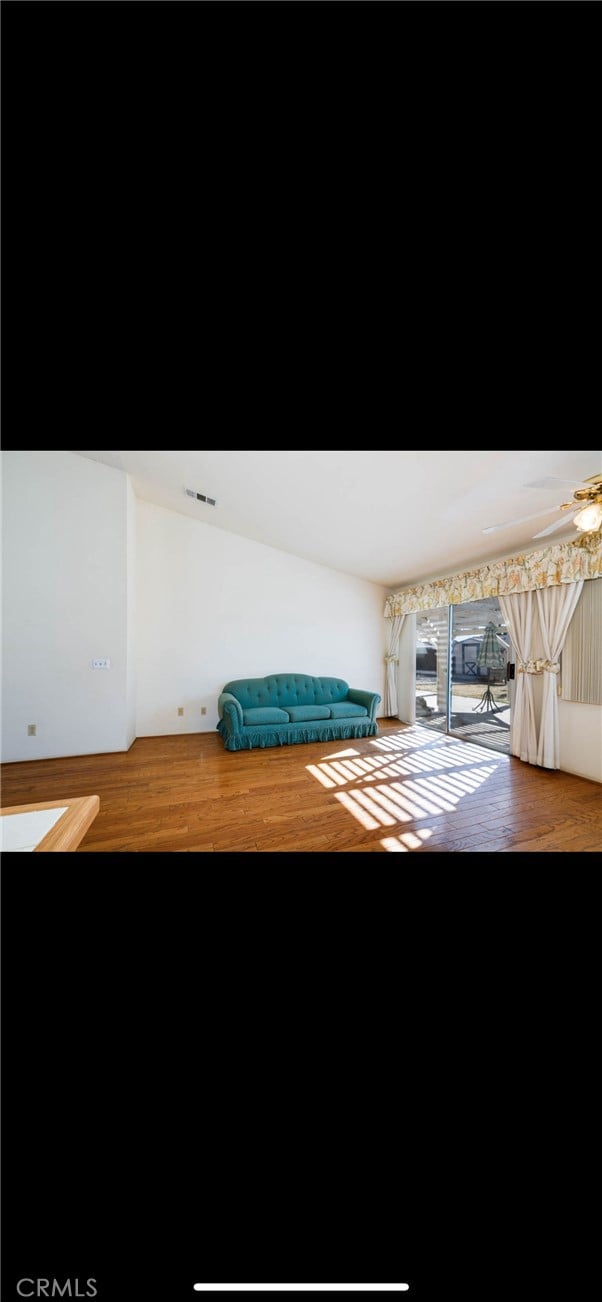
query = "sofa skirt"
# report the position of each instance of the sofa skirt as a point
(290, 733)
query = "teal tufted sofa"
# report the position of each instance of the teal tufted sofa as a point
(286, 708)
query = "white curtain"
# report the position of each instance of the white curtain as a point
(394, 627)
(556, 608)
(518, 610)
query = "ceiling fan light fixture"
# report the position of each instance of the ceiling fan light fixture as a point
(589, 517)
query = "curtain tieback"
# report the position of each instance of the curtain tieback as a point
(391, 660)
(539, 667)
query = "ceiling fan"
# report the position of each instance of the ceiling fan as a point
(587, 503)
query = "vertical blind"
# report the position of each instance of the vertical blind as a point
(581, 662)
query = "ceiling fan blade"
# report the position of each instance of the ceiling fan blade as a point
(523, 519)
(551, 482)
(564, 523)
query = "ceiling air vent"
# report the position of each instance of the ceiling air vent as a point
(200, 497)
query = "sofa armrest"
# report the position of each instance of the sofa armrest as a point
(230, 710)
(369, 699)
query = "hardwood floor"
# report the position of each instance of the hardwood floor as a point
(409, 789)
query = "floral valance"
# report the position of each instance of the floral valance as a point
(562, 563)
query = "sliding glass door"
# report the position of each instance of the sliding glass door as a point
(480, 653)
(462, 654)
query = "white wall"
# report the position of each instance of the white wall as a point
(64, 561)
(213, 606)
(580, 728)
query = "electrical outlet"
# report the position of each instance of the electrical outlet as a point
(203, 709)
(103, 663)
(32, 730)
(180, 710)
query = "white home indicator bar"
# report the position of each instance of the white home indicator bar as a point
(301, 1288)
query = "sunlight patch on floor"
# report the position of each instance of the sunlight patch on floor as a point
(403, 802)
(407, 840)
(337, 770)
(358, 812)
(427, 775)
(417, 736)
(327, 775)
(415, 804)
(345, 767)
(410, 737)
(316, 772)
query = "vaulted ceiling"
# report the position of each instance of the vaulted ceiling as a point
(394, 518)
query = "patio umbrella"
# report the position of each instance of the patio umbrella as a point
(489, 657)
(490, 651)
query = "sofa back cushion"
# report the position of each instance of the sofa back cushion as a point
(280, 690)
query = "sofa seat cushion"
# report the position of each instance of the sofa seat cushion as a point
(305, 713)
(346, 710)
(265, 714)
